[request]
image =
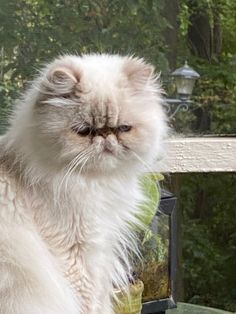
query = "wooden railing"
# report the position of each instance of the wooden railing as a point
(198, 154)
(194, 154)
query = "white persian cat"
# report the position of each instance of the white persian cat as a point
(69, 186)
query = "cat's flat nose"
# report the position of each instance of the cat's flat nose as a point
(104, 132)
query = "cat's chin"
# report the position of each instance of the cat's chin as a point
(107, 164)
(107, 152)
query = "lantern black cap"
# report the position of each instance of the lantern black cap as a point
(186, 72)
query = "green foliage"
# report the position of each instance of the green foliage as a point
(35, 31)
(214, 99)
(153, 246)
(209, 239)
(214, 106)
(152, 194)
(217, 95)
(207, 201)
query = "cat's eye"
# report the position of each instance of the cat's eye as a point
(83, 131)
(124, 128)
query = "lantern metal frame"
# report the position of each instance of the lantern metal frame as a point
(168, 207)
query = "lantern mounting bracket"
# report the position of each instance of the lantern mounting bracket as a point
(175, 105)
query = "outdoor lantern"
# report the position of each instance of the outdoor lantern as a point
(185, 78)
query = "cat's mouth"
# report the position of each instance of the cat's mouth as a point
(108, 148)
(107, 151)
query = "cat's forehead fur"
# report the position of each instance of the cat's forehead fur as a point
(104, 72)
(104, 66)
(107, 84)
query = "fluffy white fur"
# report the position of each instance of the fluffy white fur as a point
(69, 198)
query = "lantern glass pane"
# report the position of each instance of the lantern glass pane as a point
(154, 268)
(184, 85)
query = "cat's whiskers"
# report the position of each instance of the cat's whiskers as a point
(149, 169)
(70, 167)
(76, 163)
(146, 166)
(79, 161)
(73, 165)
(84, 163)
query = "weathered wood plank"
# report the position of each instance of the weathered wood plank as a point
(195, 154)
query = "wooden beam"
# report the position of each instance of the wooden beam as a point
(198, 154)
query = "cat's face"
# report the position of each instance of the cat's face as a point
(97, 113)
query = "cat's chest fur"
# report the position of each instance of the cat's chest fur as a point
(85, 230)
(88, 231)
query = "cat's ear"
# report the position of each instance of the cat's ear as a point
(138, 72)
(60, 80)
(63, 79)
(62, 75)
